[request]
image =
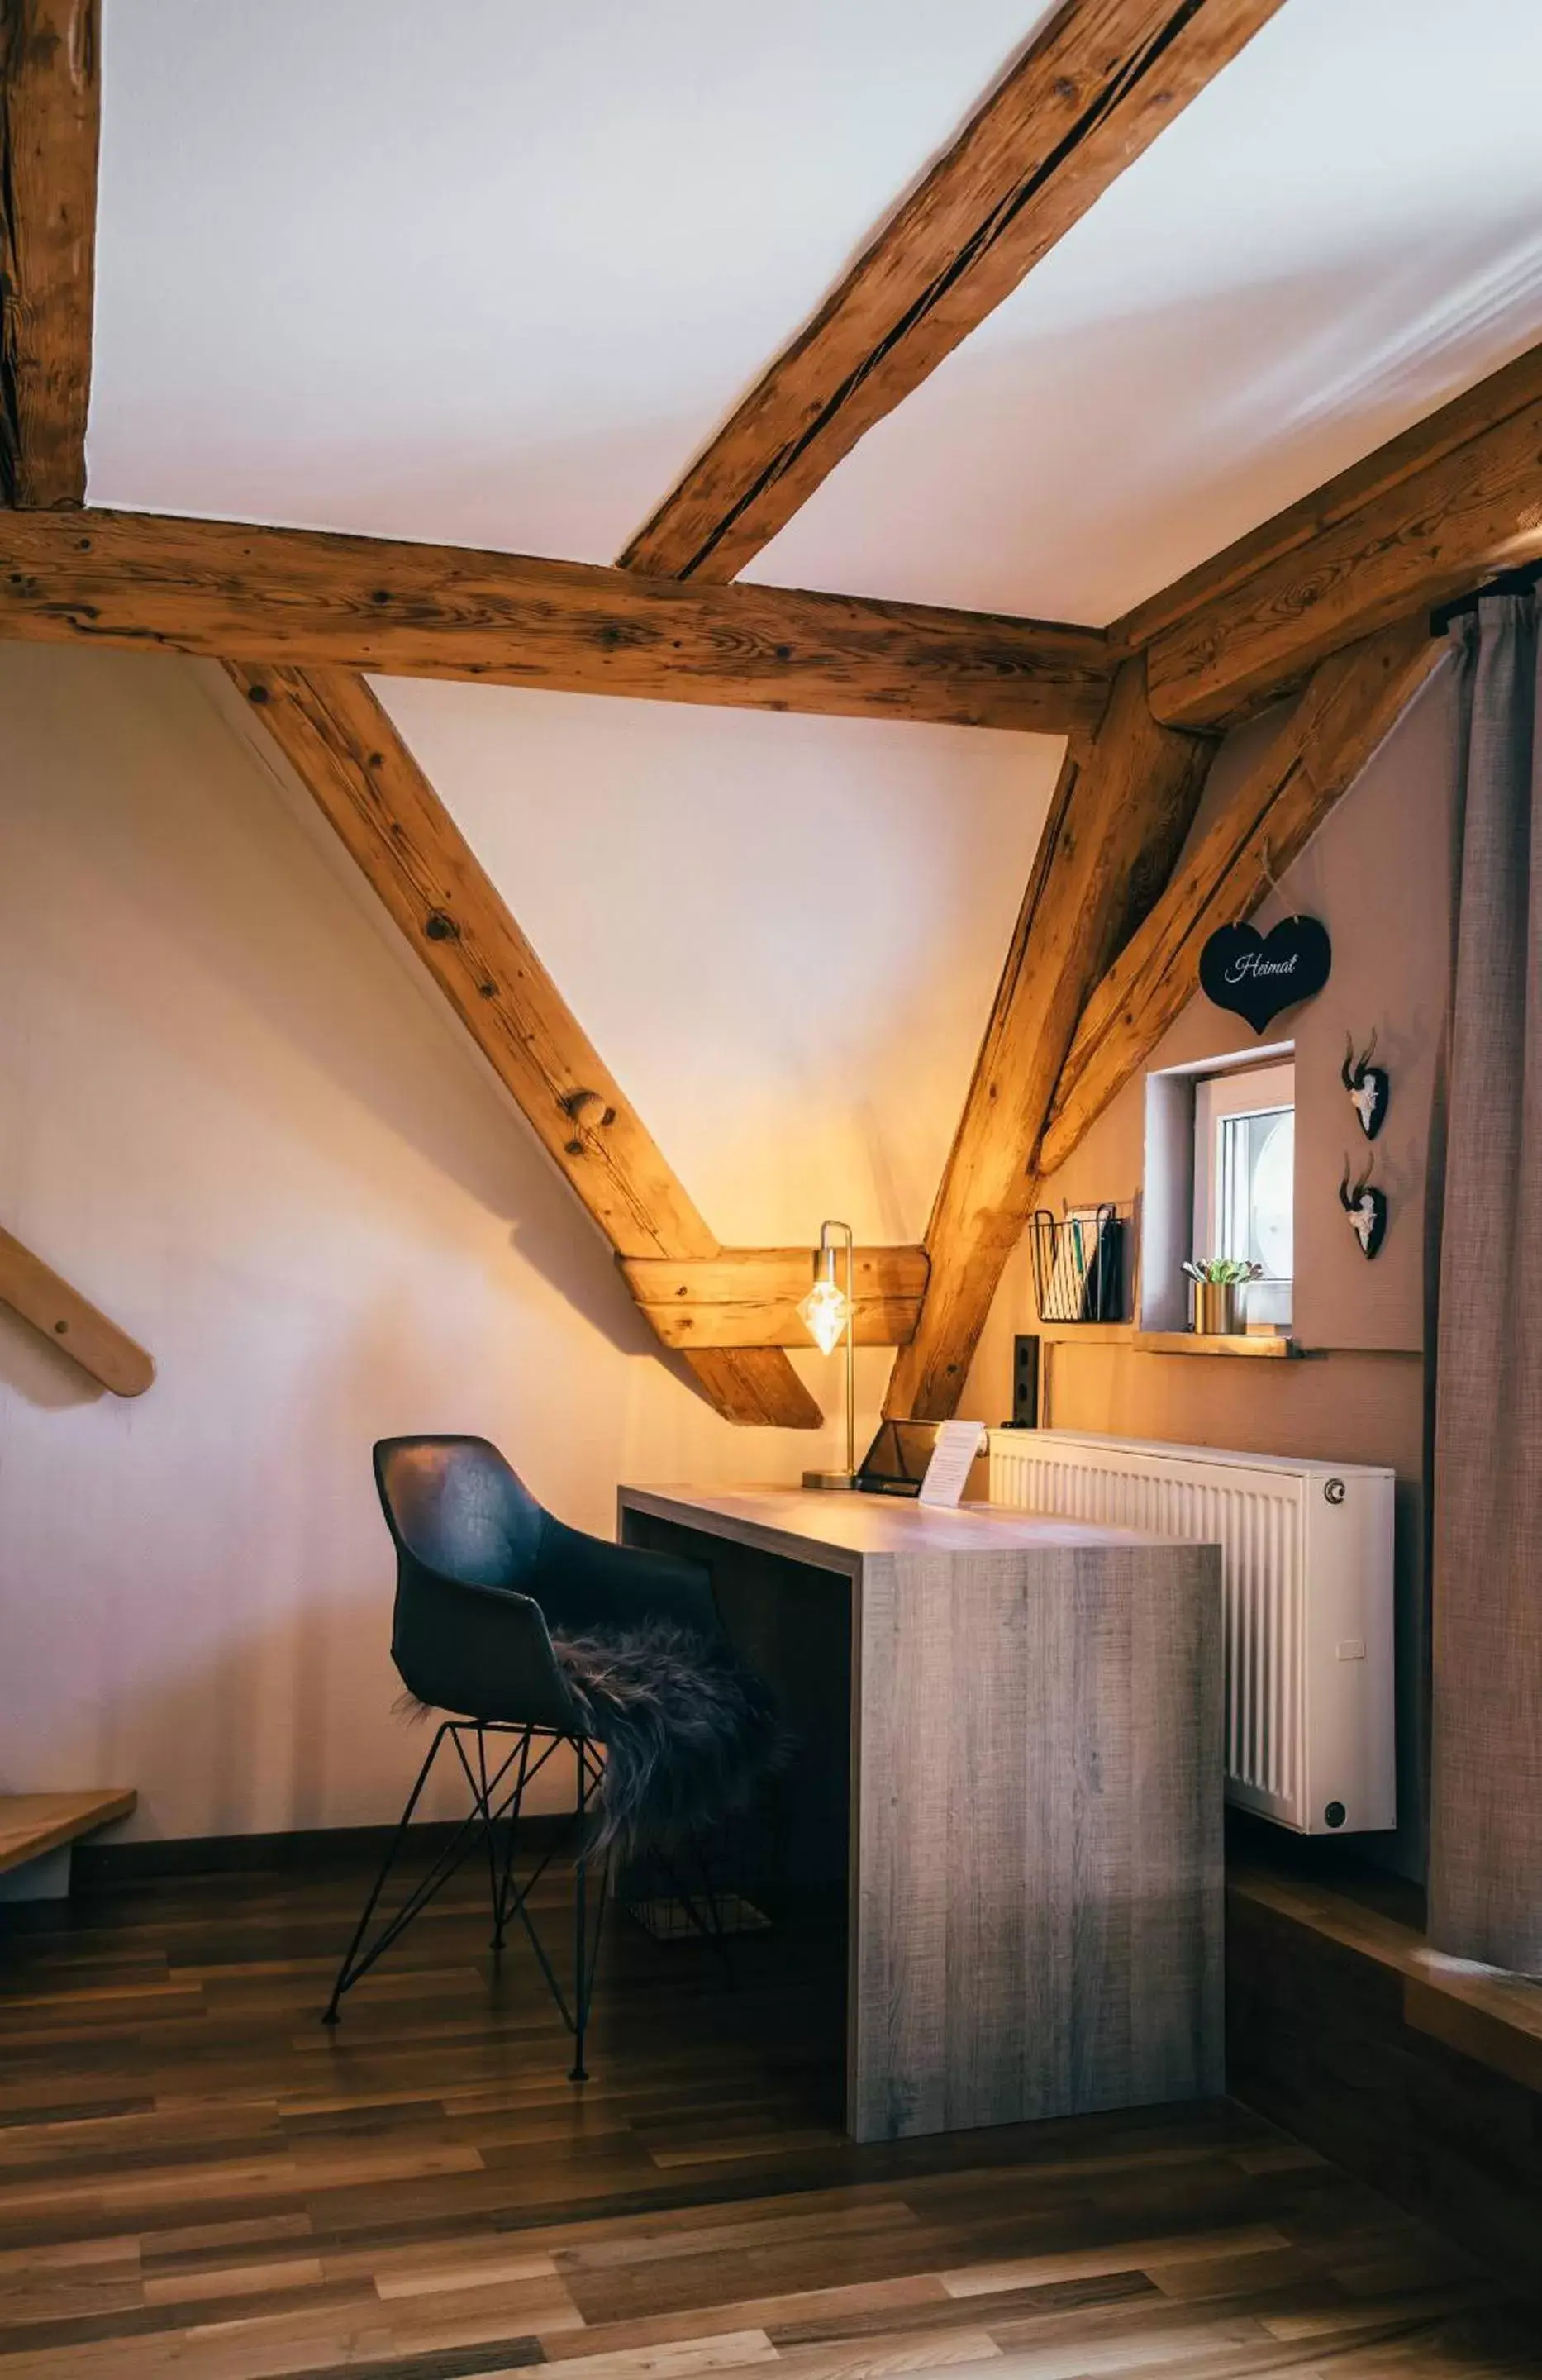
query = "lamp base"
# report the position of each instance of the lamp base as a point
(829, 1479)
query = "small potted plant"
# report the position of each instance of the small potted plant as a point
(1219, 1283)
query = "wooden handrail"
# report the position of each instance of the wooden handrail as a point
(50, 1305)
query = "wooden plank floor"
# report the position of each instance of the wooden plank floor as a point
(196, 2180)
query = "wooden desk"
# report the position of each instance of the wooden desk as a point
(1032, 1711)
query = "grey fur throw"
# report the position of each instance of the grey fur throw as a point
(689, 1732)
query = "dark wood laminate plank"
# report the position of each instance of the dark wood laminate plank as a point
(230, 2197)
(139, 2320)
(22, 2116)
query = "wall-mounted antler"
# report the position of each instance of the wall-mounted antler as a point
(1366, 1207)
(1370, 1087)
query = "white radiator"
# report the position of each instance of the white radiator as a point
(1307, 1566)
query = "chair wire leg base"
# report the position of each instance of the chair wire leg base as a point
(349, 1972)
(496, 1806)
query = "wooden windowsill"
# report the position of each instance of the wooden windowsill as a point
(1165, 1342)
(1192, 1342)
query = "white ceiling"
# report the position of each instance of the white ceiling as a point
(491, 272)
(487, 270)
(1342, 231)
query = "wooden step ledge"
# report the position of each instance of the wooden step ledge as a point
(1487, 2014)
(34, 1824)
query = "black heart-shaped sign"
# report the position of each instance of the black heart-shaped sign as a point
(1256, 975)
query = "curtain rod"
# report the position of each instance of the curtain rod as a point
(1508, 582)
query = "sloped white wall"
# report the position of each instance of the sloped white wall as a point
(781, 932)
(232, 1112)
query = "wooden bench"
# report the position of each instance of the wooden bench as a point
(32, 1825)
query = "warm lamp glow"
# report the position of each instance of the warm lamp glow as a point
(824, 1311)
(827, 1313)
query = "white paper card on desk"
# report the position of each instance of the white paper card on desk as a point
(958, 1442)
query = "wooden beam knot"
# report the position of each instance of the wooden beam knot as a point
(590, 1113)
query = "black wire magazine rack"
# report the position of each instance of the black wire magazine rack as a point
(1078, 1264)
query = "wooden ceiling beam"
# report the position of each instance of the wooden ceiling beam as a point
(1350, 704)
(1092, 90)
(307, 599)
(749, 1297)
(1115, 829)
(1430, 515)
(49, 126)
(361, 775)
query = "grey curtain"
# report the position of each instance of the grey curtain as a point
(1486, 1781)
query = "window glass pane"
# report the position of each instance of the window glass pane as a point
(1256, 1160)
(1270, 1218)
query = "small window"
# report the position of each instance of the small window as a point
(1244, 1179)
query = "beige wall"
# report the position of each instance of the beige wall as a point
(1379, 875)
(233, 1112)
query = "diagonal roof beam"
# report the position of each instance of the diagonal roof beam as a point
(1348, 706)
(358, 771)
(1117, 823)
(1432, 513)
(49, 123)
(1091, 92)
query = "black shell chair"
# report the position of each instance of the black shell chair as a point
(483, 1575)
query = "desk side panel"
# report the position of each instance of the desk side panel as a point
(1039, 1888)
